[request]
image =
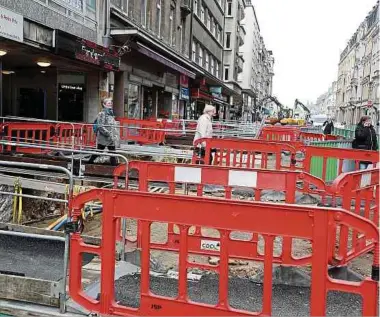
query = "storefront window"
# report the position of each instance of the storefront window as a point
(175, 107)
(131, 102)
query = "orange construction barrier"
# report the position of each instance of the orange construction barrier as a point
(359, 192)
(141, 131)
(308, 136)
(329, 154)
(246, 153)
(81, 134)
(258, 180)
(20, 132)
(279, 133)
(307, 223)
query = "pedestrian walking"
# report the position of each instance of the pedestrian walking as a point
(328, 126)
(365, 138)
(204, 130)
(105, 129)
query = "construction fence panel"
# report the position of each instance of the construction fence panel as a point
(27, 132)
(313, 224)
(357, 192)
(328, 163)
(256, 182)
(273, 133)
(141, 131)
(246, 153)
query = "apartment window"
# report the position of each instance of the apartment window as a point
(226, 72)
(91, 4)
(229, 7)
(217, 69)
(182, 28)
(158, 18)
(196, 9)
(208, 21)
(220, 36)
(217, 30)
(200, 55)
(206, 60)
(228, 40)
(193, 51)
(143, 12)
(172, 31)
(212, 65)
(212, 25)
(202, 13)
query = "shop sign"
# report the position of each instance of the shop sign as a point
(216, 91)
(11, 25)
(72, 87)
(184, 80)
(184, 94)
(81, 49)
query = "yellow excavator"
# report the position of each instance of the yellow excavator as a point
(282, 112)
(299, 115)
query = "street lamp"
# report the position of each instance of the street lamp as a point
(2, 53)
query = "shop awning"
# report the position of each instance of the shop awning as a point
(163, 60)
(221, 102)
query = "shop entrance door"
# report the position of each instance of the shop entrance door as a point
(32, 103)
(70, 102)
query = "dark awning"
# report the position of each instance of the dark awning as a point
(163, 60)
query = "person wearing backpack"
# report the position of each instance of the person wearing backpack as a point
(105, 129)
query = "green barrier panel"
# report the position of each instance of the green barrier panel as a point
(316, 167)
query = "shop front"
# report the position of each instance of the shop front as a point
(54, 76)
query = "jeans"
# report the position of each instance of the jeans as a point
(101, 147)
(201, 154)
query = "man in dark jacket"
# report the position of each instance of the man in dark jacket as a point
(365, 138)
(329, 126)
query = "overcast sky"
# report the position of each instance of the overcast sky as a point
(307, 37)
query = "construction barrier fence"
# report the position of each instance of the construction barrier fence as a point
(309, 223)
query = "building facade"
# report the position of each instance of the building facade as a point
(52, 59)
(173, 62)
(358, 73)
(326, 103)
(257, 75)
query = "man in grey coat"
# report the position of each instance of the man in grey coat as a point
(106, 134)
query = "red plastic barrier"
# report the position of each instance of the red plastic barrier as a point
(308, 223)
(247, 153)
(359, 192)
(141, 131)
(329, 154)
(274, 133)
(308, 136)
(81, 134)
(36, 133)
(258, 180)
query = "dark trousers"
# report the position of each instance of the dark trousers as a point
(201, 153)
(101, 147)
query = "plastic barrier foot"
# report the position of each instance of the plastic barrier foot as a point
(375, 273)
(344, 273)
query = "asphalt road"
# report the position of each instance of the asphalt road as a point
(243, 294)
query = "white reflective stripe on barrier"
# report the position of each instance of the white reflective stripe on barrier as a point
(365, 180)
(242, 178)
(188, 175)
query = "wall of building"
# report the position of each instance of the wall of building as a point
(75, 17)
(358, 72)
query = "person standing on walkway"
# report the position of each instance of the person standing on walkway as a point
(329, 126)
(365, 138)
(204, 130)
(106, 134)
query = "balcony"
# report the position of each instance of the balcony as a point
(240, 63)
(241, 35)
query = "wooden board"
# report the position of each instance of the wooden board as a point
(29, 290)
